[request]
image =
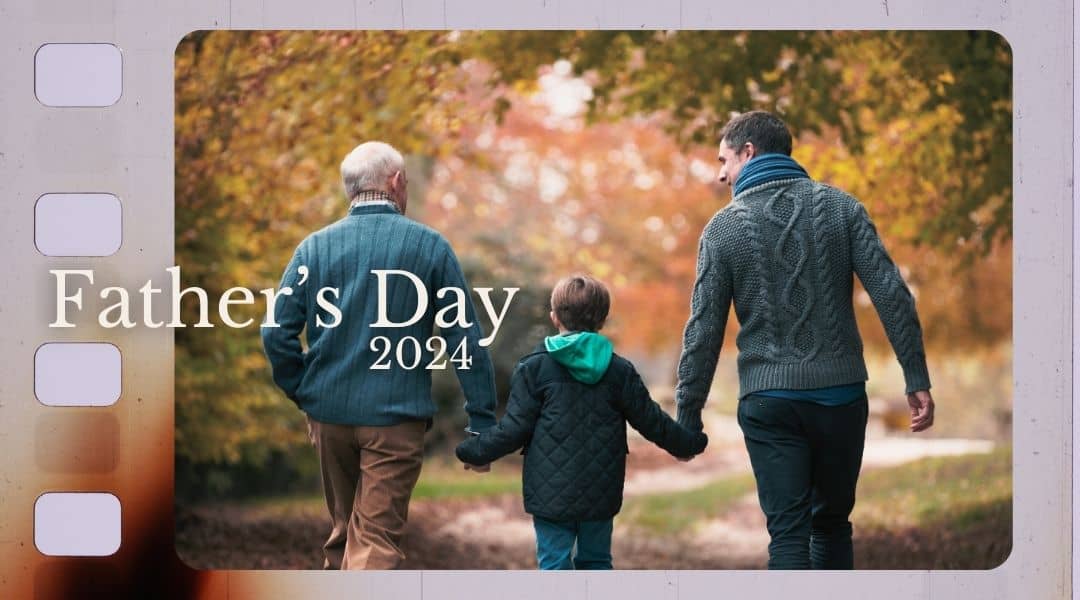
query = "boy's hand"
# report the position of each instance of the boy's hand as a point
(700, 442)
(464, 456)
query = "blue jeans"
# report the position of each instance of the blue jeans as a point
(555, 544)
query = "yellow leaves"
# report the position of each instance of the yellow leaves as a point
(944, 80)
(601, 269)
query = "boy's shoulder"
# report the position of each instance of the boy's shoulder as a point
(534, 355)
(532, 361)
(539, 359)
(621, 366)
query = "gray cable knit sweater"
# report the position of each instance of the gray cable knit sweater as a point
(784, 252)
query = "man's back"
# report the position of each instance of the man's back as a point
(342, 380)
(784, 253)
(364, 380)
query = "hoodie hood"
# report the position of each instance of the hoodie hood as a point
(584, 353)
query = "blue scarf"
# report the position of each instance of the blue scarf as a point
(768, 167)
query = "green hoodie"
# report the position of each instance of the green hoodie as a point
(584, 353)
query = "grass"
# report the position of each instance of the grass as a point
(941, 513)
(450, 480)
(439, 480)
(278, 507)
(935, 513)
(677, 512)
(946, 494)
(958, 490)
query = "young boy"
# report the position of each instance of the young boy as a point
(569, 404)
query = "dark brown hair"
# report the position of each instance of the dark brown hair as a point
(766, 131)
(580, 302)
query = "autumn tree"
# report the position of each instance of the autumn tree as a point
(934, 104)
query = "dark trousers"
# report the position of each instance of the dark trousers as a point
(556, 541)
(806, 459)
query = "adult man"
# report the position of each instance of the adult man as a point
(784, 252)
(366, 422)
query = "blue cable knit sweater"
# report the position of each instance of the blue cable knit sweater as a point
(785, 253)
(333, 382)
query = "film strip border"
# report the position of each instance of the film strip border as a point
(122, 447)
(78, 374)
(86, 483)
(91, 522)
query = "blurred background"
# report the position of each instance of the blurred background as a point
(540, 153)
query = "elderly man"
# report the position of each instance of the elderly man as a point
(367, 422)
(785, 252)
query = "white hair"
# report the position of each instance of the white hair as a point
(368, 167)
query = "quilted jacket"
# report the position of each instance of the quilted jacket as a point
(574, 436)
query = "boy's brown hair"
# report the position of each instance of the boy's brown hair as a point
(580, 302)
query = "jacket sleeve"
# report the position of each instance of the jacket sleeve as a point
(703, 336)
(477, 379)
(512, 431)
(646, 416)
(892, 299)
(282, 342)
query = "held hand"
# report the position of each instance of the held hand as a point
(702, 442)
(478, 468)
(922, 410)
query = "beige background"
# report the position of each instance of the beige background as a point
(127, 150)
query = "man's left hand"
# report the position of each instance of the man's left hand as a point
(922, 410)
(478, 468)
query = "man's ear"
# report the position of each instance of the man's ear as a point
(753, 151)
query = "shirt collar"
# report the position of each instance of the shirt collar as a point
(373, 198)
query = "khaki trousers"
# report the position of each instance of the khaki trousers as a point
(368, 475)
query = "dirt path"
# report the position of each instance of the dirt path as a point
(496, 533)
(493, 533)
(484, 533)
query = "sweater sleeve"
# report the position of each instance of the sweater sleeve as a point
(511, 432)
(703, 336)
(646, 416)
(477, 377)
(892, 299)
(282, 342)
